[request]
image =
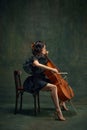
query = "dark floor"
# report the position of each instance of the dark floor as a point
(76, 117)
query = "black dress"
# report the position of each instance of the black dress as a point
(37, 80)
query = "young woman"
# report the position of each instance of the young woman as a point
(37, 64)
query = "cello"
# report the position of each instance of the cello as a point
(65, 92)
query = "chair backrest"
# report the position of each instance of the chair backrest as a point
(17, 79)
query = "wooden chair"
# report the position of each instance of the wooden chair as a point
(20, 91)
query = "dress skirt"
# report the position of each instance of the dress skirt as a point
(34, 84)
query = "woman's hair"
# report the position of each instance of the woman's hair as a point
(37, 47)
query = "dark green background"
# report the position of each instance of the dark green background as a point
(62, 24)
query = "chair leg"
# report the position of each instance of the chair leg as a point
(16, 103)
(21, 98)
(38, 99)
(35, 105)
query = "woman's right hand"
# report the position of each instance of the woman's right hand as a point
(55, 70)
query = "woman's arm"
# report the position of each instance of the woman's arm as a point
(36, 63)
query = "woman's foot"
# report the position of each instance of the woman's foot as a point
(59, 116)
(63, 106)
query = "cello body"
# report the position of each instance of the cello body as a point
(65, 92)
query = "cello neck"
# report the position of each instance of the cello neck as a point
(54, 66)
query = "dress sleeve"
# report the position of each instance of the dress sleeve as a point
(27, 66)
(35, 69)
(34, 58)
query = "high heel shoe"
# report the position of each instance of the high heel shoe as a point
(63, 106)
(59, 116)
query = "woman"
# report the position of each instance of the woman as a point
(37, 64)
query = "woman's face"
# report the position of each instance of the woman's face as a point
(44, 51)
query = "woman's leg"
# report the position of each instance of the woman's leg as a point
(54, 95)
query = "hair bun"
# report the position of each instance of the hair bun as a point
(32, 45)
